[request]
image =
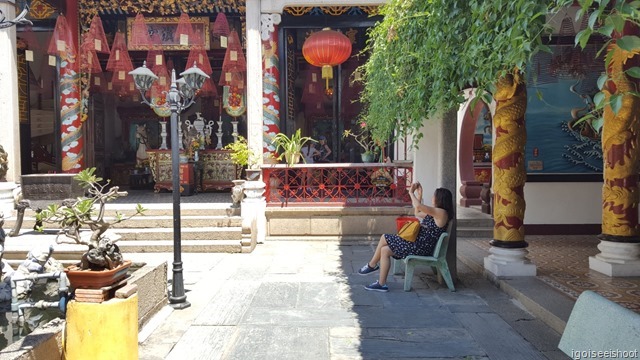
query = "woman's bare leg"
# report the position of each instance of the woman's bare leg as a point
(376, 255)
(385, 264)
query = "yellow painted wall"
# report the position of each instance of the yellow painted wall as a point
(108, 330)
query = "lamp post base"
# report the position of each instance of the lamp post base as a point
(179, 303)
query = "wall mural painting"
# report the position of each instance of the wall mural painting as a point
(562, 85)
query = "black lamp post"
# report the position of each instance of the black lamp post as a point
(180, 96)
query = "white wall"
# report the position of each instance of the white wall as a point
(426, 164)
(563, 203)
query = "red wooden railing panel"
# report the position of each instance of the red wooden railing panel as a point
(342, 184)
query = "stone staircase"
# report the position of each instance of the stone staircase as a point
(475, 228)
(205, 227)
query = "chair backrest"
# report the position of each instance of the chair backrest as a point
(441, 246)
(443, 241)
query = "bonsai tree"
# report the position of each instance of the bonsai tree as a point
(291, 146)
(102, 252)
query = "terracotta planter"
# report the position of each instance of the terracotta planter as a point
(89, 279)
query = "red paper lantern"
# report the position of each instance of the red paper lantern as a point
(326, 48)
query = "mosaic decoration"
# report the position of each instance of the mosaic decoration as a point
(563, 263)
(40, 9)
(270, 80)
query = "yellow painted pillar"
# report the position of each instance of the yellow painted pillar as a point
(108, 330)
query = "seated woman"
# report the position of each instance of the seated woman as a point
(433, 223)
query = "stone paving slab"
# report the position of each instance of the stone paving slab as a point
(301, 300)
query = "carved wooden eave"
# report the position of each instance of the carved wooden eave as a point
(89, 8)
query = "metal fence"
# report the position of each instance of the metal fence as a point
(342, 184)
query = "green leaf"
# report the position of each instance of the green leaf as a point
(583, 37)
(602, 80)
(606, 30)
(615, 101)
(593, 18)
(634, 72)
(597, 124)
(598, 99)
(617, 21)
(629, 43)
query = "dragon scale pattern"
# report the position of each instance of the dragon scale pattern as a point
(508, 159)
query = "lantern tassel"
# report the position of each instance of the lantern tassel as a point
(327, 72)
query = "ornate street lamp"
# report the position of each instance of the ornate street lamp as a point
(20, 19)
(180, 96)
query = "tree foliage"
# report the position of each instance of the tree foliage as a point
(607, 18)
(425, 52)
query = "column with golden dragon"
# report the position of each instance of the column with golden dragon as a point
(270, 79)
(620, 240)
(508, 256)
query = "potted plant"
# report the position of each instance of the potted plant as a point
(364, 139)
(242, 155)
(102, 264)
(291, 146)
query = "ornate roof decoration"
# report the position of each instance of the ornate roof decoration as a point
(331, 10)
(40, 9)
(89, 8)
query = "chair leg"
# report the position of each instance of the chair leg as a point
(408, 275)
(397, 266)
(443, 267)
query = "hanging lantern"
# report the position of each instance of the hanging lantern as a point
(140, 34)
(326, 48)
(96, 38)
(184, 32)
(221, 26)
(234, 60)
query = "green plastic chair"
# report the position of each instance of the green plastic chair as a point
(438, 263)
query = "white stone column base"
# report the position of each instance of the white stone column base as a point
(254, 222)
(509, 262)
(616, 259)
(7, 203)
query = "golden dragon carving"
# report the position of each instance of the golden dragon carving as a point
(508, 158)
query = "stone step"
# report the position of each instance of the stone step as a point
(158, 221)
(474, 223)
(195, 233)
(474, 232)
(16, 248)
(192, 209)
(187, 246)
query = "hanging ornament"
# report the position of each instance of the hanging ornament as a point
(96, 37)
(326, 48)
(89, 62)
(140, 39)
(231, 79)
(184, 32)
(198, 56)
(221, 26)
(62, 39)
(30, 37)
(159, 90)
(119, 61)
(208, 89)
(234, 60)
(233, 100)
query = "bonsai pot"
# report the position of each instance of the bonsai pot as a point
(91, 279)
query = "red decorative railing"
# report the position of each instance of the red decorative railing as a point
(343, 184)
